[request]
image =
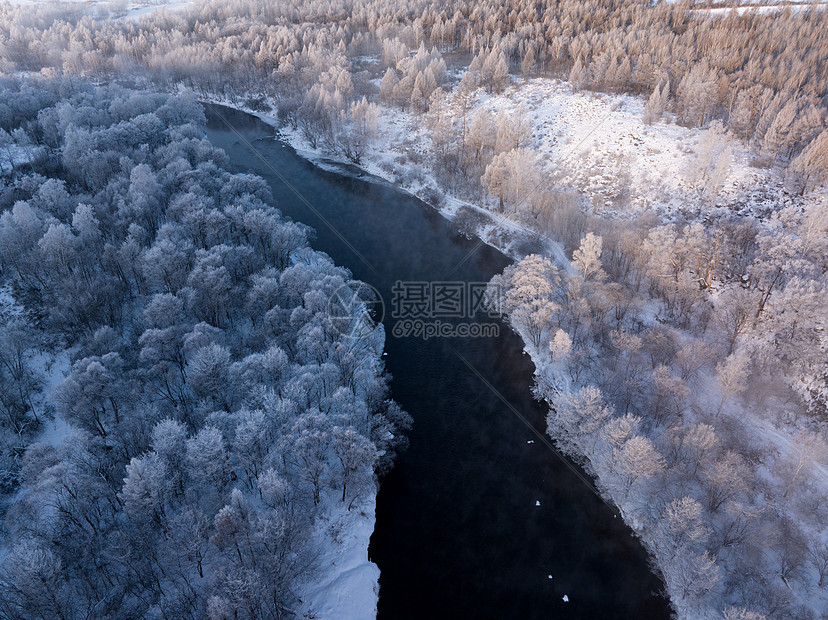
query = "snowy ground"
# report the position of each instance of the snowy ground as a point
(599, 145)
(12, 155)
(51, 368)
(8, 305)
(722, 8)
(117, 9)
(764, 10)
(349, 586)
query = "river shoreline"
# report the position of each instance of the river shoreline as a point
(449, 209)
(340, 167)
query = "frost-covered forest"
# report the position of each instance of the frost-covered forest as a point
(210, 415)
(697, 400)
(764, 75)
(672, 291)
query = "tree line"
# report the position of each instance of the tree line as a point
(213, 410)
(685, 369)
(763, 75)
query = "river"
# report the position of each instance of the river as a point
(479, 519)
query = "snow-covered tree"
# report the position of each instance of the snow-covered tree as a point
(512, 176)
(587, 258)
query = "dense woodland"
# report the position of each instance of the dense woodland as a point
(684, 360)
(210, 410)
(765, 76)
(669, 380)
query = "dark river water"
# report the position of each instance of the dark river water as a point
(459, 533)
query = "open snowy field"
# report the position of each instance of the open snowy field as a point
(117, 9)
(722, 8)
(595, 144)
(599, 145)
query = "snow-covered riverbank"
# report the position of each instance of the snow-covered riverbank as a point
(595, 145)
(500, 234)
(513, 237)
(348, 586)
